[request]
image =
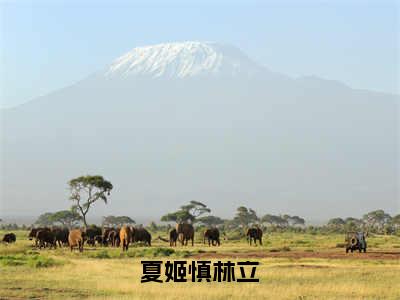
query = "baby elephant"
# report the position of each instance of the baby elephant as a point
(173, 236)
(9, 238)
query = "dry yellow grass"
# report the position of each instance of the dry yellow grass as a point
(118, 277)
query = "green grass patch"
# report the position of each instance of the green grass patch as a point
(151, 252)
(30, 260)
(102, 254)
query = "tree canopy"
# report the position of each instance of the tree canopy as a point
(210, 220)
(275, 220)
(115, 221)
(294, 220)
(376, 219)
(336, 222)
(86, 190)
(245, 216)
(65, 218)
(187, 213)
(44, 219)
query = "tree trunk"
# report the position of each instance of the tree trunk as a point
(84, 220)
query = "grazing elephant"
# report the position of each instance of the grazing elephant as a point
(212, 235)
(141, 235)
(173, 236)
(61, 235)
(104, 236)
(75, 239)
(113, 235)
(125, 237)
(45, 239)
(254, 234)
(117, 239)
(90, 234)
(9, 238)
(99, 240)
(185, 233)
(33, 232)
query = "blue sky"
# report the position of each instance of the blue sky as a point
(48, 45)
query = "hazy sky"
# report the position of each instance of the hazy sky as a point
(46, 45)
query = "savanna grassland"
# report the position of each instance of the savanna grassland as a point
(292, 266)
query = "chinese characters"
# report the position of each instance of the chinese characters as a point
(197, 271)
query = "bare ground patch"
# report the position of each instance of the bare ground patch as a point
(375, 255)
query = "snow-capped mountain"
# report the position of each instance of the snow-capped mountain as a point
(182, 60)
(175, 122)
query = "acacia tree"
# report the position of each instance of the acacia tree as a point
(376, 219)
(245, 216)
(86, 190)
(210, 220)
(67, 218)
(187, 213)
(45, 219)
(294, 220)
(396, 221)
(275, 220)
(115, 221)
(336, 223)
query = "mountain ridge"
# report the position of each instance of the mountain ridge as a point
(182, 60)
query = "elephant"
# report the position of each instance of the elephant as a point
(113, 238)
(9, 238)
(173, 236)
(104, 236)
(125, 237)
(141, 235)
(61, 235)
(185, 233)
(75, 239)
(46, 238)
(90, 234)
(212, 234)
(254, 234)
(34, 231)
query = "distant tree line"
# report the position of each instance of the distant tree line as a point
(376, 221)
(87, 190)
(199, 214)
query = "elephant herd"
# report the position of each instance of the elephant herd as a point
(75, 238)
(185, 232)
(45, 237)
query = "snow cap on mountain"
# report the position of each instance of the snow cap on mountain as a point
(182, 60)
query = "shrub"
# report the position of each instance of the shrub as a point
(151, 252)
(34, 261)
(156, 252)
(11, 260)
(183, 253)
(41, 262)
(103, 254)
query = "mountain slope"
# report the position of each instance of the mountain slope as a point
(170, 128)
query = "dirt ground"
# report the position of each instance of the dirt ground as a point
(385, 255)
